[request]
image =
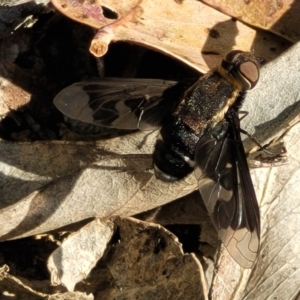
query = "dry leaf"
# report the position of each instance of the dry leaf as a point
(277, 272)
(112, 185)
(273, 105)
(79, 253)
(188, 30)
(155, 266)
(280, 17)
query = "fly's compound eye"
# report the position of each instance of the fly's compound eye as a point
(243, 66)
(248, 74)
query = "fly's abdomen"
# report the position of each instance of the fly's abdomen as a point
(173, 156)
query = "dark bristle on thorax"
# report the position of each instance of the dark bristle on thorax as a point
(204, 101)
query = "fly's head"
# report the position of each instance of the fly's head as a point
(241, 68)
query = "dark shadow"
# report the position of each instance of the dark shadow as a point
(225, 31)
(41, 61)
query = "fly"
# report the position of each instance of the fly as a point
(200, 132)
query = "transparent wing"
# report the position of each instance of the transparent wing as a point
(119, 102)
(227, 190)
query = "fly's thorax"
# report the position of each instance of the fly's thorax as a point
(207, 101)
(231, 101)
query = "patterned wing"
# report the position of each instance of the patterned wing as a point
(227, 190)
(119, 102)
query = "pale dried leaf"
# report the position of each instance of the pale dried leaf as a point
(21, 168)
(79, 253)
(114, 185)
(274, 105)
(277, 273)
(281, 17)
(229, 280)
(188, 30)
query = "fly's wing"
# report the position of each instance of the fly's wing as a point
(119, 102)
(227, 190)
